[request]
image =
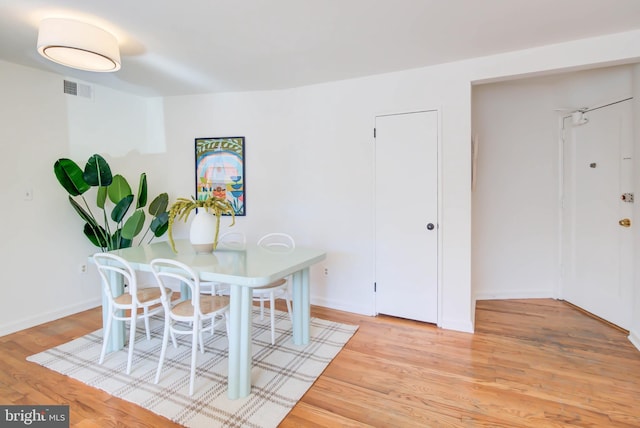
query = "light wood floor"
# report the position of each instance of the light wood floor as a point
(531, 363)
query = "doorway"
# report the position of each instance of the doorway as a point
(406, 215)
(597, 238)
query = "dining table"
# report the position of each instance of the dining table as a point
(242, 269)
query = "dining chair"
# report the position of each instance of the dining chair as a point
(126, 306)
(186, 317)
(278, 289)
(230, 240)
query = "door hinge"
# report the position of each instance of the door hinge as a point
(375, 287)
(374, 132)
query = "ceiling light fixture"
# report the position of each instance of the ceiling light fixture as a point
(78, 45)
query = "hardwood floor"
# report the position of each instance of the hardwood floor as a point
(531, 363)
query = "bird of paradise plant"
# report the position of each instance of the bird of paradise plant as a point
(113, 231)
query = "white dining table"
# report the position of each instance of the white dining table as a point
(243, 270)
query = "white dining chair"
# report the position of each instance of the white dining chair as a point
(187, 317)
(278, 289)
(125, 307)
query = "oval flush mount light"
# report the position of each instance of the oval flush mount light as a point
(78, 45)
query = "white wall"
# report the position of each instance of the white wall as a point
(515, 208)
(33, 132)
(43, 241)
(311, 145)
(516, 222)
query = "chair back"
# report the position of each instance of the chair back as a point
(114, 268)
(277, 240)
(232, 240)
(166, 268)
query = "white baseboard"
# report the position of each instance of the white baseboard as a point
(48, 316)
(457, 325)
(635, 339)
(506, 295)
(342, 306)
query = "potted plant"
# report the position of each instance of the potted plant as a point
(206, 226)
(114, 230)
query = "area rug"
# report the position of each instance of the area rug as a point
(281, 373)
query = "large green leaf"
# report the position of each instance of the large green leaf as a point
(133, 225)
(117, 241)
(97, 171)
(97, 235)
(69, 175)
(160, 224)
(159, 204)
(142, 191)
(119, 189)
(121, 208)
(88, 218)
(101, 196)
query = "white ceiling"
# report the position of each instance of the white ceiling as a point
(203, 46)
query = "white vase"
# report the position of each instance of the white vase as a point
(203, 232)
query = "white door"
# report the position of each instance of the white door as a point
(597, 246)
(406, 208)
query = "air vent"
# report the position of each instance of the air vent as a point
(78, 89)
(70, 88)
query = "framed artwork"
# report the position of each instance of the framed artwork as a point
(220, 170)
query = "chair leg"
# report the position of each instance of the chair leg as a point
(173, 339)
(106, 336)
(146, 322)
(200, 336)
(286, 299)
(272, 313)
(194, 350)
(261, 307)
(226, 321)
(132, 338)
(163, 351)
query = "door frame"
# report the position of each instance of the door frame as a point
(439, 220)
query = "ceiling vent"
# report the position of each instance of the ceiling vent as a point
(77, 89)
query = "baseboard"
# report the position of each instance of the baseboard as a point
(341, 306)
(457, 325)
(506, 295)
(48, 316)
(635, 339)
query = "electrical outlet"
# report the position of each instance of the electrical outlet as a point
(82, 268)
(326, 271)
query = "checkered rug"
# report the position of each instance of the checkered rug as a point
(281, 373)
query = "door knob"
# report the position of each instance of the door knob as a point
(625, 222)
(430, 226)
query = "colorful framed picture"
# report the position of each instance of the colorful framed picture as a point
(220, 170)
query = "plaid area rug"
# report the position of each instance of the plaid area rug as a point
(281, 373)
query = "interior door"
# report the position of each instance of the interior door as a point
(406, 211)
(597, 241)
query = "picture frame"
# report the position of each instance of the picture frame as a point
(220, 170)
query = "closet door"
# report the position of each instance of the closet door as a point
(406, 208)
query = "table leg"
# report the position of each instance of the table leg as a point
(240, 314)
(116, 336)
(185, 292)
(301, 307)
